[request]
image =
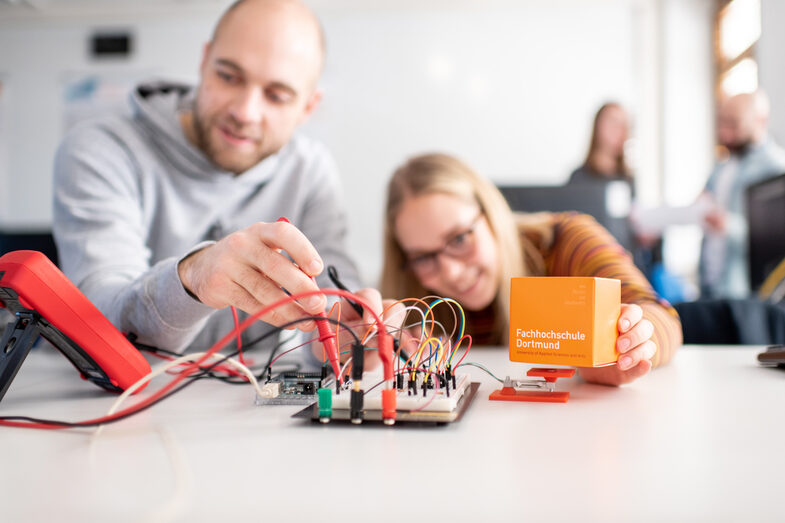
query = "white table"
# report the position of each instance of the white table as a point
(702, 439)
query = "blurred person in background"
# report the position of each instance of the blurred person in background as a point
(605, 159)
(606, 166)
(750, 156)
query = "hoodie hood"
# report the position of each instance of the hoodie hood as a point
(157, 107)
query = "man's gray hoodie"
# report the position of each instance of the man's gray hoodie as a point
(133, 196)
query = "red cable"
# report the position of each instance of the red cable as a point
(194, 366)
(239, 336)
(468, 347)
(284, 353)
(326, 334)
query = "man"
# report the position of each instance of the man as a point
(742, 124)
(166, 217)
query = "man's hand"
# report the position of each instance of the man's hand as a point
(716, 221)
(247, 270)
(635, 350)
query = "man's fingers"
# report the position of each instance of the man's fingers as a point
(287, 237)
(241, 299)
(253, 291)
(247, 270)
(278, 269)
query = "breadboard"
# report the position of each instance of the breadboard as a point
(441, 403)
(411, 409)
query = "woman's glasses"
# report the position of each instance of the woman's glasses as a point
(459, 245)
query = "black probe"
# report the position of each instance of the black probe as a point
(332, 272)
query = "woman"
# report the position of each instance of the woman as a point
(450, 232)
(605, 160)
(606, 166)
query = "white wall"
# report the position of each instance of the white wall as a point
(38, 56)
(688, 121)
(688, 139)
(770, 63)
(509, 86)
(512, 90)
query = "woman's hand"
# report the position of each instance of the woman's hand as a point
(635, 350)
(391, 316)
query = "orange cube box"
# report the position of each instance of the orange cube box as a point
(564, 320)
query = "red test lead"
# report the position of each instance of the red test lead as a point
(326, 334)
(389, 397)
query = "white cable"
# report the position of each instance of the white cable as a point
(163, 368)
(345, 365)
(177, 504)
(387, 322)
(405, 311)
(422, 324)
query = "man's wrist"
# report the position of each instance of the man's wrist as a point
(183, 266)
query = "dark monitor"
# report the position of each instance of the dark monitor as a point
(604, 201)
(766, 220)
(41, 241)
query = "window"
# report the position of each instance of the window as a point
(737, 30)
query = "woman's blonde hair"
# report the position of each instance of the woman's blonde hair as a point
(443, 174)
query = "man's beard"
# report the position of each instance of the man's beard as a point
(204, 143)
(738, 149)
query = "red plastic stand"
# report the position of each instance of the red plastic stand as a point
(549, 375)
